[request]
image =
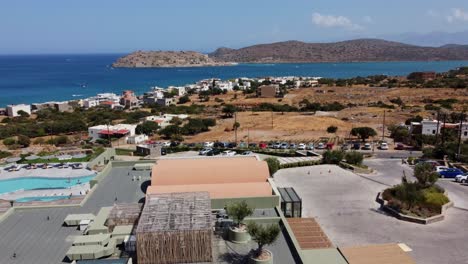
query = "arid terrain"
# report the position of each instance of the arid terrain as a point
(308, 126)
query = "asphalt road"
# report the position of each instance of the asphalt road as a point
(344, 205)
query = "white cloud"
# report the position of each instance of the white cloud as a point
(457, 14)
(432, 13)
(334, 21)
(368, 19)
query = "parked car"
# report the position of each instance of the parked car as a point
(441, 168)
(367, 146)
(450, 173)
(219, 145)
(345, 147)
(383, 146)
(399, 146)
(292, 146)
(263, 145)
(163, 151)
(329, 145)
(228, 153)
(284, 145)
(463, 178)
(174, 144)
(232, 145)
(208, 144)
(320, 145)
(356, 146)
(243, 145)
(301, 146)
(252, 145)
(277, 145)
(310, 146)
(213, 152)
(204, 151)
(247, 153)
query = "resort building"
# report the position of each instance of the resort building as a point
(166, 101)
(109, 131)
(165, 119)
(434, 127)
(12, 110)
(129, 100)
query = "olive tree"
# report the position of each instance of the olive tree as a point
(263, 235)
(239, 211)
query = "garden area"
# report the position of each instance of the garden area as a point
(420, 198)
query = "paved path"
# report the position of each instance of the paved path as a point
(344, 205)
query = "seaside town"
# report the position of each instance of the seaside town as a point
(331, 150)
(228, 153)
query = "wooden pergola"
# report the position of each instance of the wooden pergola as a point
(175, 228)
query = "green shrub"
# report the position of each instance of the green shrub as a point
(333, 157)
(435, 199)
(354, 157)
(9, 141)
(4, 154)
(273, 165)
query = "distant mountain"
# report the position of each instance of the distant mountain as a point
(149, 59)
(359, 50)
(432, 39)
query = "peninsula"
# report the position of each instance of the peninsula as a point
(154, 59)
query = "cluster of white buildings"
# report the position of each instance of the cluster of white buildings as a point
(434, 127)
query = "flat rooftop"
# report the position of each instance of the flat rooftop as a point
(222, 177)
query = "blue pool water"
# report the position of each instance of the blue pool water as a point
(34, 183)
(41, 198)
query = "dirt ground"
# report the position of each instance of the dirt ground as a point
(306, 127)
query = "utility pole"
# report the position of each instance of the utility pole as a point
(271, 119)
(248, 136)
(462, 118)
(437, 130)
(235, 126)
(443, 130)
(383, 126)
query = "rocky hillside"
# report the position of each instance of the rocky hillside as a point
(149, 59)
(346, 51)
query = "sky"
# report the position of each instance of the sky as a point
(120, 26)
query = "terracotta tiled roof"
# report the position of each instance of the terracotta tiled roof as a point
(308, 233)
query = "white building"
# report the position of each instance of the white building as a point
(88, 103)
(105, 131)
(228, 86)
(179, 90)
(137, 139)
(12, 110)
(164, 120)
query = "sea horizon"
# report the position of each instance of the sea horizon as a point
(36, 78)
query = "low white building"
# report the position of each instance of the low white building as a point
(12, 110)
(105, 131)
(164, 120)
(179, 90)
(88, 103)
(137, 139)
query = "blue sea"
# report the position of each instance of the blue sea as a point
(41, 78)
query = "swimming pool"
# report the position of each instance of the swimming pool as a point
(35, 183)
(41, 198)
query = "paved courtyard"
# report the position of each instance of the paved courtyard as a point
(344, 205)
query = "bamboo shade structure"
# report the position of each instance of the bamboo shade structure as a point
(124, 214)
(175, 228)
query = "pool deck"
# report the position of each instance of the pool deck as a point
(34, 239)
(47, 173)
(81, 189)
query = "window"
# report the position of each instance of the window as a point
(466, 133)
(433, 132)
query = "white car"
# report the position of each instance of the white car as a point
(277, 145)
(320, 145)
(204, 151)
(166, 144)
(301, 146)
(229, 153)
(310, 146)
(441, 168)
(463, 178)
(383, 146)
(208, 144)
(367, 146)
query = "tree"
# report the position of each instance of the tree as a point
(354, 157)
(229, 110)
(263, 235)
(363, 132)
(22, 113)
(24, 141)
(332, 157)
(147, 128)
(170, 130)
(239, 211)
(425, 174)
(184, 99)
(332, 129)
(273, 165)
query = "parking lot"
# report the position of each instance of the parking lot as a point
(344, 204)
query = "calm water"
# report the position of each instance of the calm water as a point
(32, 183)
(40, 78)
